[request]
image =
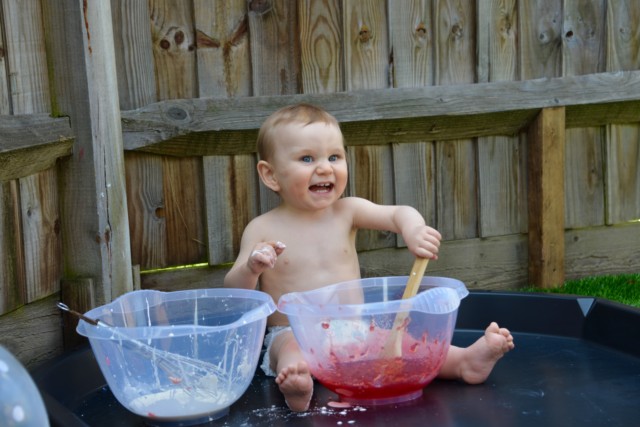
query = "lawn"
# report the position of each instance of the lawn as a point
(624, 288)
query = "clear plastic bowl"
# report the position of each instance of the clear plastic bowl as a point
(363, 342)
(21, 404)
(179, 358)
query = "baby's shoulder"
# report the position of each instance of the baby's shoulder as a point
(352, 203)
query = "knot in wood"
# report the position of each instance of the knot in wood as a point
(456, 31)
(421, 30)
(365, 34)
(260, 7)
(177, 113)
(178, 37)
(165, 44)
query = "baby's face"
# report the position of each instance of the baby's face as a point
(310, 164)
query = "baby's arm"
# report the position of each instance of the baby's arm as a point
(253, 259)
(423, 241)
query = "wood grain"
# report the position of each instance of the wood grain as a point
(501, 159)
(546, 151)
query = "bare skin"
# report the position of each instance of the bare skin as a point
(308, 241)
(293, 375)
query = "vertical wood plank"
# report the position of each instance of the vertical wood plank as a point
(414, 179)
(366, 47)
(12, 280)
(222, 41)
(172, 38)
(231, 186)
(25, 49)
(502, 182)
(134, 53)
(321, 46)
(541, 32)
(546, 198)
(411, 35)
(275, 59)
(145, 203)
(366, 50)
(455, 160)
(275, 47)
(583, 53)
(623, 141)
(94, 223)
(184, 210)
(41, 231)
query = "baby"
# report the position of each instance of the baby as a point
(312, 236)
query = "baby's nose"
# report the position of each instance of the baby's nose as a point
(324, 166)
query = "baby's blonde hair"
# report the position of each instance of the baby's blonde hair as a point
(302, 113)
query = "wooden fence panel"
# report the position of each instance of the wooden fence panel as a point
(456, 189)
(501, 159)
(172, 37)
(146, 207)
(137, 88)
(321, 46)
(231, 189)
(411, 35)
(41, 231)
(623, 141)
(222, 48)
(27, 61)
(173, 40)
(583, 53)
(366, 49)
(29, 85)
(541, 44)
(275, 59)
(224, 70)
(134, 53)
(184, 209)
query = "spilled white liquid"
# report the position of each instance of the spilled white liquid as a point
(178, 404)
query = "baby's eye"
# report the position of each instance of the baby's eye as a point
(334, 158)
(306, 159)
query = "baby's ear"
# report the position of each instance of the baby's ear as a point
(267, 176)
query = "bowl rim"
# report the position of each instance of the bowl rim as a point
(320, 301)
(258, 313)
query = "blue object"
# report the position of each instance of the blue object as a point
(20, 401)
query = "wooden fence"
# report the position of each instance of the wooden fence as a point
(127, 133)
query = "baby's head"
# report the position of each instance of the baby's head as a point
(304, 114)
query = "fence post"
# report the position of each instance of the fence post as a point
(94, 222)
(546, 151)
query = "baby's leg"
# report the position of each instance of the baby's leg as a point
(293, 375)
(474, 363)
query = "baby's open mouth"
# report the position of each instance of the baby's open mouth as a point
(321, 188)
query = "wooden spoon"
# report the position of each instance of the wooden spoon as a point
(393, 346)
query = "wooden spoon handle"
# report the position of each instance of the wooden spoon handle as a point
(393, 346)
(415, 277)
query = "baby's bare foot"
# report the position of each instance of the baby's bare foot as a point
(481, 356)
(296, 384)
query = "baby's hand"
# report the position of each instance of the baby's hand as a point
(264, 256)
(423, 241)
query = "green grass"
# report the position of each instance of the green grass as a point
(623, 288)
